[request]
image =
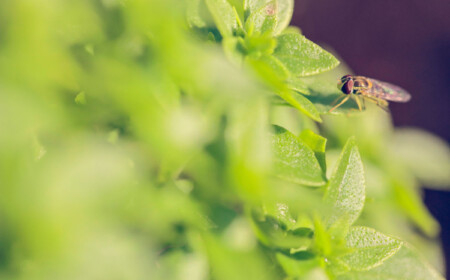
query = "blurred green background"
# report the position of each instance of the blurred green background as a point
(132, 148)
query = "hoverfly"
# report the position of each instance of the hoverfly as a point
(362, 88)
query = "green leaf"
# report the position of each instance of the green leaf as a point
(298, 85)
(224, 16)
(370, 248)
(298, 264)
(426, 155)
(302, 57)
(294, 161)
(412, 205)
(262, 21)
(280, 10)
(405, 264)
(80, 99)
(230, 46)
(273, 229)
(345, 193)
(317, 143)
(229, 263)
(196, 15)
(301, 103)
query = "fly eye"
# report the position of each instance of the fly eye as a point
(347, 88)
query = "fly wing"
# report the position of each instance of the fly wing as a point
(388, 91)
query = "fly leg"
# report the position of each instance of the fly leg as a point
(358, 102)
(340, 103)
(383, 104)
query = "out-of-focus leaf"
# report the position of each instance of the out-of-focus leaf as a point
(272, 70)
(345, 193)
(405, 264)
(303, 57)
(301, 103)
(281, 10)
(298, 264)
(411, 203)
(80, 99)
(228, 263)
(274, 233)
(295, 161)
(262, 21)
(317, 143)
(224, 16)
(230, 47)
(292, 29)
(427, 156)
(370, 248)
(297, 84)
(195, 12)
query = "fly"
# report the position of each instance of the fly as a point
(362, 88)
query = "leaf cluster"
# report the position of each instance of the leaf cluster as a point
(190, 139)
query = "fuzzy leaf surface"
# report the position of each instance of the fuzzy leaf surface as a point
(294, 160)
(345, 194)
(371, 248)
(303, 57)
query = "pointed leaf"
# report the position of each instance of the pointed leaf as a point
(301, 56)
(224, 16)
(294, 161)
(346, 189)
(195, 13)
(299, 264)
(317, 143)
(411, 203)
(431, 165)
(296, 84)
(371, 248)
(262, 21)
(281, 10)
(405, 264)
(301, 103)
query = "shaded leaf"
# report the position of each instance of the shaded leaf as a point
(405, 264)
(371, 248)
(301, 103)
(273, 232)
(427, 156)
(299, 264)
(412, 205)
(317, 143)
(345, 193)
(295, 161)
(303, 57)
(195, 12)
(224, 16)
(297, 84)
(262, 21)
(280, 10)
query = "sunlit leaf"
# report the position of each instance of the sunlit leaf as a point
(405, 264)
(303, 57)
(370, 248)
(281, 10)
(294, 160)
(224, 16)
(345, 193)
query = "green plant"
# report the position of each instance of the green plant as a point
(181, 139)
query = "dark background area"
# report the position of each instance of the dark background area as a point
(405, 42)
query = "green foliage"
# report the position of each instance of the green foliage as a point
(179, 139)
